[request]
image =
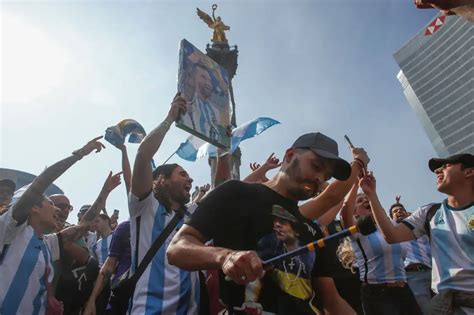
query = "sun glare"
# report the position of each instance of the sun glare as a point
(32, 62)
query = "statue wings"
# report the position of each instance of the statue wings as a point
(205, 17)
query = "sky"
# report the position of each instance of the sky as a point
(70, 69)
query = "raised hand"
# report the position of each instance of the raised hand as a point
(112, 181)
(178, 108)
(368, 183)
(205, 188)
(271, 162)
(90, 146)
(360, 155)
(254, 166)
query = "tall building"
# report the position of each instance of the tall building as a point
(437, 77)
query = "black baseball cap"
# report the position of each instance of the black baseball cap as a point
(465, 158)
(325, 147)
(8, 183)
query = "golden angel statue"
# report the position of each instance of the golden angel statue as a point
(216, 24)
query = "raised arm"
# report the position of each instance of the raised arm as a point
(336, 191)
(142, 178)
(259, 171)
(126, 170)
(392, 233)
(73, 233)
(34, 192)
(347, 209)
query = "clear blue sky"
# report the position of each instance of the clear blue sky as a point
(70, 69)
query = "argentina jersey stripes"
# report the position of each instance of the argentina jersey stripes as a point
(163, 288)
(418, 251)
(452, 243)
(24, 259)
(378, 261)
(100, 249)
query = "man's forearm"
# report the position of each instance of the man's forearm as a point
(127, 172)
(189, 254)
(96, 207)
(35, 191)
(383, 221)
(103, 277)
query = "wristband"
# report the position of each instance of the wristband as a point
(359, 160)
(79, 154)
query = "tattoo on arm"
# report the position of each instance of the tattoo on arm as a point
(94, 210)
(34, 193)
(72, 233)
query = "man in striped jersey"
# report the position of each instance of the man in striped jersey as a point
(101, 247)
(155, 198)
(417, 261)
(27, 252)
(451, 228)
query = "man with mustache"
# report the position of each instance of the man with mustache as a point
(237, 215)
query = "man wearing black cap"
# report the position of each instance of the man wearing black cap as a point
(238, 215)
(450, 226)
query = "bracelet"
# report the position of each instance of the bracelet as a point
(358, 163)
(166, 124)
(79, 154)
(359, 160)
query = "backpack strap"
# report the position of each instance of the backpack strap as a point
(429, 215)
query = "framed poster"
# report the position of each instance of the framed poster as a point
(205, 85)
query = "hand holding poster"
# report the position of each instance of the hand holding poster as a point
(205, 85)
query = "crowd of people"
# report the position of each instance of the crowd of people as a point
(215, 243)
(242, 247)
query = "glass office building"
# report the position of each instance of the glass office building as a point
(437, 78)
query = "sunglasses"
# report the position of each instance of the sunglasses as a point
(64, 206)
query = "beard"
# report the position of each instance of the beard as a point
(296, 186)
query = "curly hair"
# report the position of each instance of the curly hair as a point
(346, 255)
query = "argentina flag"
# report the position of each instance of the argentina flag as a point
(194, 148)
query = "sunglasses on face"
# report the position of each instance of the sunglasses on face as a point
(64, 206)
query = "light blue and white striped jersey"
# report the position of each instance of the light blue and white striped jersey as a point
(452, 245)
(163, 288)
(23, 261)
(378, 261)
(418, 251)
(100, 249)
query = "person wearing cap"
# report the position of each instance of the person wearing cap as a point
(417, 260)
(237, 215)
(7, 188)
(450, 226)
(155, 198)
(27, 252)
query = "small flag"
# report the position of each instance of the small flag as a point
(128, 127)
(194, 148)
(188, 150)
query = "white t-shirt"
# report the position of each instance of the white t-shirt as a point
(24, 259)
(452, 245)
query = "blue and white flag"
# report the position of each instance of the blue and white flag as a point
(250, 130)
(195, 148)
(188, 150)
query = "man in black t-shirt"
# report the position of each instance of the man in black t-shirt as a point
(239, 216)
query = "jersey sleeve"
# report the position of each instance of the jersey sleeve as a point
(9, 228)
(54, 245)
(416, 221)
(137, 206)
